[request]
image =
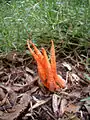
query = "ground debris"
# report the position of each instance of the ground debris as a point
(20, 109)
(23, 97)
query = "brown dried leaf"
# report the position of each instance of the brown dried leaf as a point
(2, 94)
(62, 107)
(19, 109)
(72, 108)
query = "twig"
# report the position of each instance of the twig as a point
(45, 109)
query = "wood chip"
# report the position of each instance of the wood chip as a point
(29, 71)
(55, 104)
(62, 107)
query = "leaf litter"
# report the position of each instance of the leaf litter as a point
(23, 96)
